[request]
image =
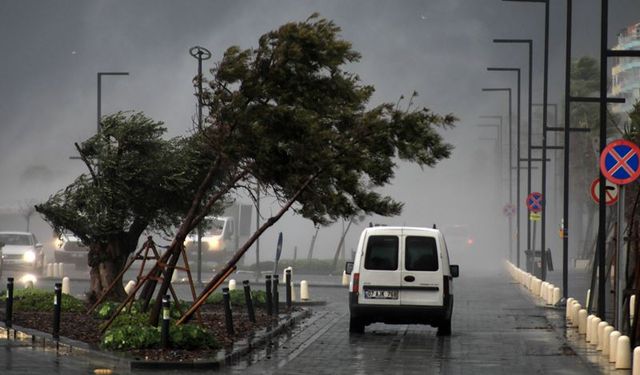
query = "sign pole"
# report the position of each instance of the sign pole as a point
(533, 248)
(620, 260)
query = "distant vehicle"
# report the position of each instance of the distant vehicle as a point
(218, 239)
(401, 275)
(459, 237)
(69, 249)
(22, 250)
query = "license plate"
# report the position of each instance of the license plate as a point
(380, 294)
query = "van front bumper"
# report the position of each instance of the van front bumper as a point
(400, 314)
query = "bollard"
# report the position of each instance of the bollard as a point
(248, 301)
(574, 314)
(567, 309)
(66, 285)
(228, 318)
(284, 272)
(636, 361)
(287, 287)
(304, 290)
(166, 317)
(605, 337)
(632, 310)
(49, 272)
(543, 291)
(28, 284)
(129, 287)
(269, 296)
(232, 284)
(293, 292)
(588, 327)
(345, 278)
(613, 345)
(556, 296)
(276, 296)
(57, 304)
(623, 353)
(586, 304)
(600, 334)
(582, 322)
(8, 320)
(594, 330)
(56, 270)
(60, 269)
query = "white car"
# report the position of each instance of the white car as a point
(21, 250)
(69, 249)
(401, 275)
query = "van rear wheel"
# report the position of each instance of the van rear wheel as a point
(356, 325)
(444, 328)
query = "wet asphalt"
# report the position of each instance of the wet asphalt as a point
(497, 329)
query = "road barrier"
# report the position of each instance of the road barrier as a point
(606, 334)
(345, 279)
(613, 345)
(594, 330)
(623, 353)
(66, 285)
(304, 290)
(232, 284)
(600, 335)
(636, 361)
(129, 287)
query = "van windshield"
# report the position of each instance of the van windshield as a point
(421, 254)
(382, 253)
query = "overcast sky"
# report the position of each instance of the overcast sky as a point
(52, 50)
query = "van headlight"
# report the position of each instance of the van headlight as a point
(29, 256)
(214, 244)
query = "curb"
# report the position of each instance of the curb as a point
(68, 346)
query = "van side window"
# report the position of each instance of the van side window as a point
(421, 254)
(382, 253)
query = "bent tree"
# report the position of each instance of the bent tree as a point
(289, 115)
(136, 181)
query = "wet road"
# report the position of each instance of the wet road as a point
(497, 329)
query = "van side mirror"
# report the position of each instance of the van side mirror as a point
(455, 270)
(348, 268)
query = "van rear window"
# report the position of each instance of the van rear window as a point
(382, 253)
(421, 254)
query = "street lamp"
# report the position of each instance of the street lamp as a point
(100, 74)
(517, 70)
(508, 90)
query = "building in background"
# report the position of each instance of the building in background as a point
(626, 71)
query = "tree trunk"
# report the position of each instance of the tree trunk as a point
(106, 262)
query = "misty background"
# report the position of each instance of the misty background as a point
(52, 51)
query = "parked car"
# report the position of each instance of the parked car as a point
(69, 249)
(401, 275)
(22, 250)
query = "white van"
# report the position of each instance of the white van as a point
(401, 275)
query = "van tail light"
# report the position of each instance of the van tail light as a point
(356, 282)
(445, 283)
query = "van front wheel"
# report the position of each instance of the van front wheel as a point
(444, 328)
(356, 325)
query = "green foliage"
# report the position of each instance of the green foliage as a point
(131, 337)
(107, 309)
(191, 336)
(236, 297)
(32, 299)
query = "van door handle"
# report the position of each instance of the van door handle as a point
(409, 278)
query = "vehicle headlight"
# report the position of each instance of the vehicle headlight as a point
(214, 244)
(29, 256)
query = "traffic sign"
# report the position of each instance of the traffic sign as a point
(611, 192)
(508, 210)
(534, 216)
(534, 202)
(620, 162)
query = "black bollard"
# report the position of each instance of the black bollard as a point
(166, 319)
(57, 305)
(269, 297)
(8, 321)
(228, 318)
(276, 297)
(249, 301)
(287, 282)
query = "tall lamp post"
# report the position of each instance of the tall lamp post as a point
(508, 90)
(100, 74)
(518, 197)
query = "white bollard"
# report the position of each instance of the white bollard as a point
(129, 287)
(28, 284)
(284, 274)
(636, 361)
(232, 284)
(543, 290)
(623, 353)
(60, 269)
(594, 330)
(345, 278)
(293, 291)
(56, 271)
(632, 310)
(588, 328)
(49, 272)
(66, 285)
(588, 297)
(613, 345)
(605, 337)
(582, 322)
(304, 290)
(600, 335)
(575, 319)
(556, 296)
(567, 310)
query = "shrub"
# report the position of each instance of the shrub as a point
(132, 332)
(106, 309)
(32, 299)
(191, 336)
(131, 337)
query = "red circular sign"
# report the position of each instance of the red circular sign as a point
(620, 162)
(611, 192)
(534, 202)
